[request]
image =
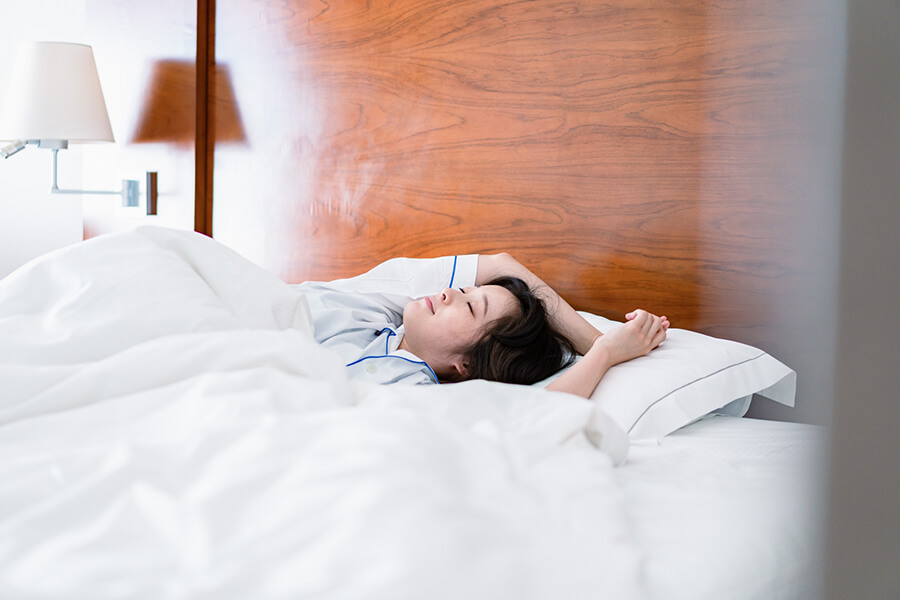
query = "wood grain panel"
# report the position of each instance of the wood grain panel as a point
(663, 154)
(426, 128)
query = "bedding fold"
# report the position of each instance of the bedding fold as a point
(166, 434)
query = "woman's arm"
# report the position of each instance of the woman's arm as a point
(639, 335)
(642, 333)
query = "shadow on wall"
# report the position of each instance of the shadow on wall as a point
(169, 110)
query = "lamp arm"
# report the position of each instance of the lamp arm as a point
(129, 192)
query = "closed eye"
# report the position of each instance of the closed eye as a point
(469, 304)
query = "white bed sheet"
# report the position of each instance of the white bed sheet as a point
(728, 508)
(164, 434)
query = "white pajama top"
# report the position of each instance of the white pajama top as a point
(361, 318)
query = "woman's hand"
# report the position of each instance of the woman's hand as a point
(641, 333)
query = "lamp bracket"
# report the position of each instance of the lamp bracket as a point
(129, 193)
(51, 144)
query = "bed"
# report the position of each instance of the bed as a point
(169, 429)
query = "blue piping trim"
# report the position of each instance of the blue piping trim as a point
(387, 340)
(453, 274)
(415, 362)
(386, 355)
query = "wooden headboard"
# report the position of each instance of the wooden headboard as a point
(655, 154)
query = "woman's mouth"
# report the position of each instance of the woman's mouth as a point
(430, 304)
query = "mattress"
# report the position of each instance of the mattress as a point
(727, 508)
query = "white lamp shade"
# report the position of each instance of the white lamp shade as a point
(55, 94)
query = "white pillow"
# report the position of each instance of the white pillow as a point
(689, 376)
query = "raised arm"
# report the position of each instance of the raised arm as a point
(563, 317)
(641, 333)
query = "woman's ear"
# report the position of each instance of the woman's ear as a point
(461, 368)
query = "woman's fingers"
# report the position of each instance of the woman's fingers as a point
(654, 331)
(660, 337)
(661, 332)
(651, 327)
(639, 317)
(639, 312)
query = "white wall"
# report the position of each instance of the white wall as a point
(32, 221)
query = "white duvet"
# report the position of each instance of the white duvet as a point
(169, 429)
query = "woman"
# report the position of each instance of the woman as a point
(466, 317)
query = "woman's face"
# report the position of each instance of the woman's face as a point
(439, 328)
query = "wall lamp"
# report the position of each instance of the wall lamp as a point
(55, 99)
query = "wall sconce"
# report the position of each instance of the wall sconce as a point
(55, 98)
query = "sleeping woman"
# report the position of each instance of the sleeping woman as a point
(468, 317)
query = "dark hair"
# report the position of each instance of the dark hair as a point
(521, 348)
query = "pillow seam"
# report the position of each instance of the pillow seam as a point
(689, 383)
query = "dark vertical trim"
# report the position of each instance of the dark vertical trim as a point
(204, 142)
(152, 192)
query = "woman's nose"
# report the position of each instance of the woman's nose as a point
(447, 295)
